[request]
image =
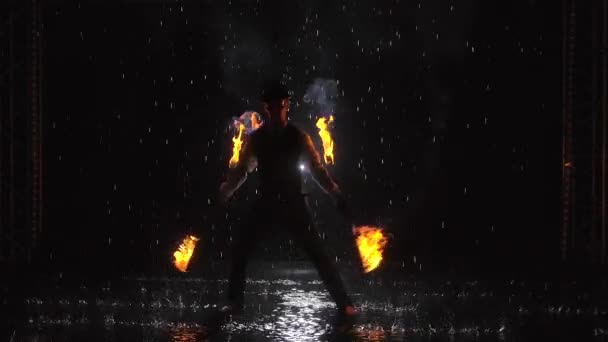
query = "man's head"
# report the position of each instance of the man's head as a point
(276, 101)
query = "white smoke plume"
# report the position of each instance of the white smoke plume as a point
(322, 94)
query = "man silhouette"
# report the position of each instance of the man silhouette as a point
(277, 150)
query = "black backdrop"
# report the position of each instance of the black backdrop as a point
(447, 125)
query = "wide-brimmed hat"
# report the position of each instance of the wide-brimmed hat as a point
(274, 90)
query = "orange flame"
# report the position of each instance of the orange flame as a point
(370, 242)
(183, 254)
(328, 143)
(236, 148)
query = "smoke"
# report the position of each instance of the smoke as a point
(322, 94)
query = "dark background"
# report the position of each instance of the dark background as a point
(447, 126)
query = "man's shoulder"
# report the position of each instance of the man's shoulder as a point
(297, 130)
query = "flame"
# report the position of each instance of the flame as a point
(328, 143)
(236, 148)
(183, 254)
(247, 123)
(370, 242)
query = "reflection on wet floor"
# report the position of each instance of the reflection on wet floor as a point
(301, 310)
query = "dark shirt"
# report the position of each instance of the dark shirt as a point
(277, 155)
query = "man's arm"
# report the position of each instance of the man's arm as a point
(238, 175)
(318, 171)
(322, 177)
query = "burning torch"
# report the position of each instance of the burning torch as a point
(370, 240)
(244, 124)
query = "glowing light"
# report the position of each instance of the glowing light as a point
(328, 143)
(184, 252)
(370, 242)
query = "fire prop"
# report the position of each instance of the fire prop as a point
(370, 242)
(183, 254)
(328, 143)
(247, 122)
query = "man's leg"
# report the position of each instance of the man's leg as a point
(240, 253)
(247, 236)
(307, 236)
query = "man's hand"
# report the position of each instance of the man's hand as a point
(224, 194)
(342, 206)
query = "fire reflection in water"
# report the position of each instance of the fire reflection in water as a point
(185, 333)
(372, 333)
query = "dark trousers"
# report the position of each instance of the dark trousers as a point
(293, 217)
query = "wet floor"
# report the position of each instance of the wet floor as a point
(294, 306)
